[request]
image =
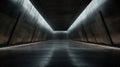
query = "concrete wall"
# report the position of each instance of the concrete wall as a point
(18, 26)
(101, 26)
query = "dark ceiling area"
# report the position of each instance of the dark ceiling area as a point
(60, 14)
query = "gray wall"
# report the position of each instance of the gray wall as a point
(101, 26)
(17, 26)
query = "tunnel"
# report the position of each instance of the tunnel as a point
(59, 33)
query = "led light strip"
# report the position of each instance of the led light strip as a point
(32, 11)
(88, 10)
(60, 32)
(28, 6)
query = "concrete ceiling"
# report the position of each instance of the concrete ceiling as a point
(60, 14)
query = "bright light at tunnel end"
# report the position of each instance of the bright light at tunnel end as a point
(60, 32)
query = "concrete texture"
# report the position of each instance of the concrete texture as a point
(58, 53)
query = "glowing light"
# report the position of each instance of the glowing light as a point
(88, 10)
(60, 32)
(32, 11)
(28, 6)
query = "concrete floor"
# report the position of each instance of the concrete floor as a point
(60, 54)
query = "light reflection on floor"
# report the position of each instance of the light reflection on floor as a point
(60, 54)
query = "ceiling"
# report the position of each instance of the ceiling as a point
(60, 14)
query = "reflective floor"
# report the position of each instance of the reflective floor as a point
(60, 54)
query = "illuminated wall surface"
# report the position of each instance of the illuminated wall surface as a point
(20, 22)
(99, 23)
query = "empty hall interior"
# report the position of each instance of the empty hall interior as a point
(59, 33)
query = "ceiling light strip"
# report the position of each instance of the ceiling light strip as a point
(32, 11)
(88, 10)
